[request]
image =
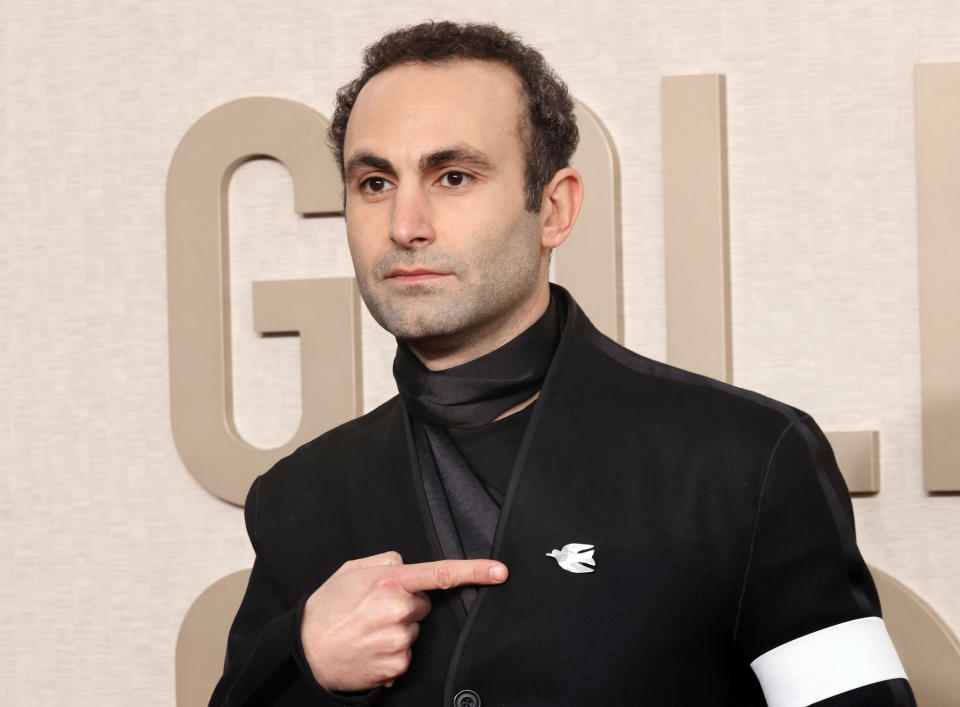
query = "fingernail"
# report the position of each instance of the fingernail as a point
(498, 573)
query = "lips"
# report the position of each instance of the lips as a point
(407, 275)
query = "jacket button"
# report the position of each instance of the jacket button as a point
(466, 698)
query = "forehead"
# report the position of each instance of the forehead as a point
(416, 107)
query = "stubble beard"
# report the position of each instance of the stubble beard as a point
(458, 307)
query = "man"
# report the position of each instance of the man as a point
(662, 533)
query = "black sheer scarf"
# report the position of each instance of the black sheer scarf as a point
(476, 392)
(464, 510)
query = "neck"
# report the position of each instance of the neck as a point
(440, 353)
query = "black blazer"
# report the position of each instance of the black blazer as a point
(722, 529)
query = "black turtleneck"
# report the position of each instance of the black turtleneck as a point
(491, 450)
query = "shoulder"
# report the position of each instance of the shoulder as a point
(670, 398)
(349, 438)
(332, 464)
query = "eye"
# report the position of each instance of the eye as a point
(374, 185)
(455, 179)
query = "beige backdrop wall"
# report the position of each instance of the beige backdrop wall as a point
(106, 537)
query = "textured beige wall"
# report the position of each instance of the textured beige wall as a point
(107, 539)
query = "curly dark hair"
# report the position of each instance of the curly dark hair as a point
(551, 130)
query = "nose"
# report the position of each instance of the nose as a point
(411, 225)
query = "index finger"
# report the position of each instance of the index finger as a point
(446, 574)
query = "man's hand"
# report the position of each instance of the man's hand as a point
(359, 626)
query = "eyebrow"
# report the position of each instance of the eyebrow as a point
(456, 154)
(459, 154)
(367, 159)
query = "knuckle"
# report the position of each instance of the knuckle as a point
(393, 557)
(387, 643)
(401, 663)
(383, 674)
(393, 666)
(400, 640)
(444, 577)
(399, 613)
(386, 582)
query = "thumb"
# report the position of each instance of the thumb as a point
(383, 559)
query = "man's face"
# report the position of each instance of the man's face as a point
(445, 254)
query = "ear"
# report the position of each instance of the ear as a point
(559, 208)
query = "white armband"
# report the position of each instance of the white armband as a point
(827, 663)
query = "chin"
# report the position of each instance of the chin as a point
(432, 324)
(421, 331)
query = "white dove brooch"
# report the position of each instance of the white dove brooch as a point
(574, 557)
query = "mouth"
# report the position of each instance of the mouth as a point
(411, 275)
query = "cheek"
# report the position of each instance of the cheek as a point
(360, 251)
(361, 234)
(521, 238)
